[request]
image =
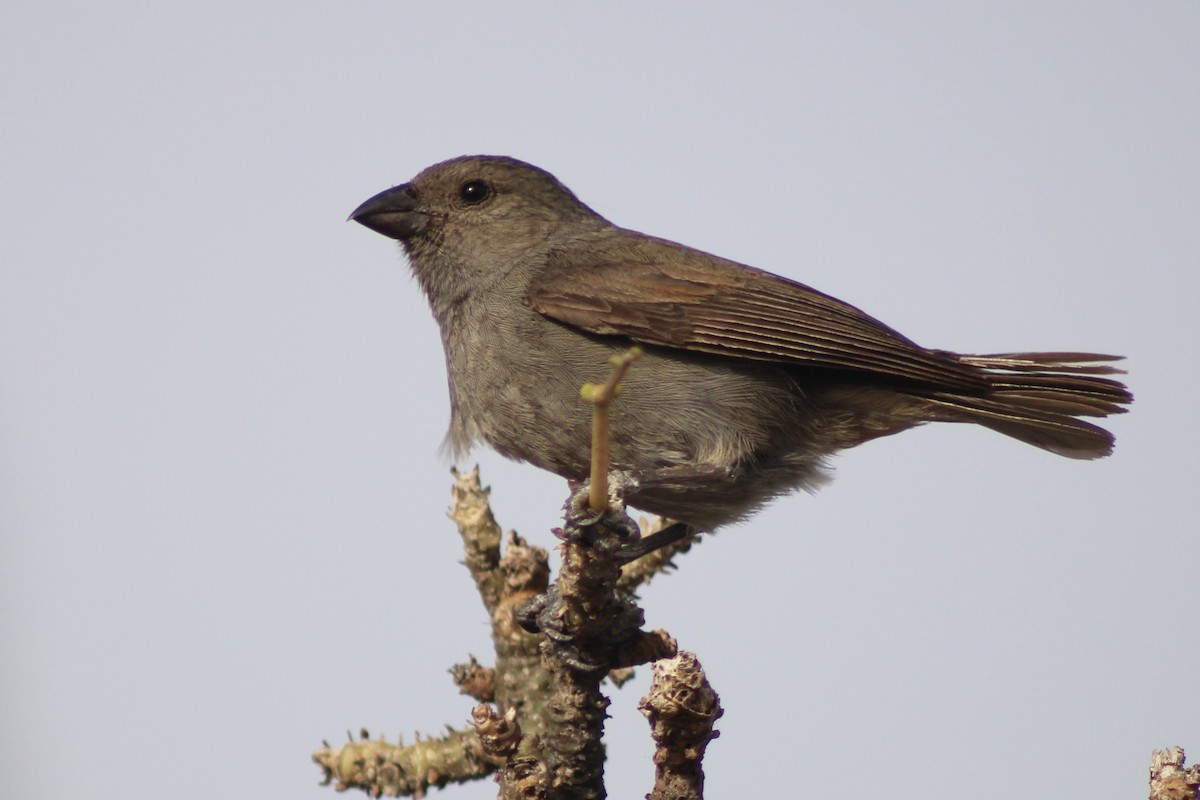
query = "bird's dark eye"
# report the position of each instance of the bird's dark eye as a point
(474, 192)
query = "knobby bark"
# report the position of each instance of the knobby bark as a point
(538, 724)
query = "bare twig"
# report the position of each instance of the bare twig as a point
(600, 396)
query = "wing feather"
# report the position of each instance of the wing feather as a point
(660, 293)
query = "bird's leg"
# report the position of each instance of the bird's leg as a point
(675, 532)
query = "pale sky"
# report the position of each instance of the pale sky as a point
(222, 501)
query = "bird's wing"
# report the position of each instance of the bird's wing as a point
(660, 293)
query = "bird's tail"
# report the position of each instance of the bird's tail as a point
(1038, 399)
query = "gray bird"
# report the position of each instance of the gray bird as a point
(749, 380)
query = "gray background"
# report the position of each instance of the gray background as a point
(221, 498)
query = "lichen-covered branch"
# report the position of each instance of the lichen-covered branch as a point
(517, 681)
(1170, 779)
(506, 581)
(399, 770)
(520, 681)
(682, 708)
(480, 533)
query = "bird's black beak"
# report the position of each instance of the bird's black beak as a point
(393, 212)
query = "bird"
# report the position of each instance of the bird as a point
(749, 382)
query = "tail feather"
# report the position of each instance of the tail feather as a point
(1085, 363)
(1038, 397)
